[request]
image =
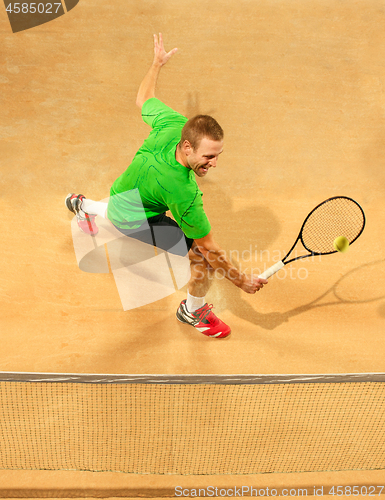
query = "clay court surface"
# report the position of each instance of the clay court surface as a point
(298, 87)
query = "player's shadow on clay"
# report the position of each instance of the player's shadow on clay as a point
(360, 285)
(242, 233)
(193, 106)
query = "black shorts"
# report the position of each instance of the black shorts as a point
(162, 232)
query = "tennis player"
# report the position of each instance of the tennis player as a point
(162, 178)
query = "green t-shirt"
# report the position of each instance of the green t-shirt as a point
(155, 182)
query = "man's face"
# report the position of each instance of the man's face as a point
(204, 157)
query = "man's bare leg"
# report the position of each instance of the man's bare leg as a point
(200, 280)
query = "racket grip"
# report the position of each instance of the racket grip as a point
(272, 270)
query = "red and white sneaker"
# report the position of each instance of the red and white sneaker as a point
(85, 222)
(204, 320)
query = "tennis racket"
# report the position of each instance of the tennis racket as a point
(337, 216)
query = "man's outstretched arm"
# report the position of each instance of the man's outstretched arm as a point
(217, 259)
(147, 87)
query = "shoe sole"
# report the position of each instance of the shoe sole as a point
(68, 203)
(180, 318)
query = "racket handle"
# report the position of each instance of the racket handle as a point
(272, 270)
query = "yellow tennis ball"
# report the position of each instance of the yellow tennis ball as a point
(341, 244)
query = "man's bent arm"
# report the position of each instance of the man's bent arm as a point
(148, 85)
(217, 259)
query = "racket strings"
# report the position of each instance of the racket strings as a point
(333, 218)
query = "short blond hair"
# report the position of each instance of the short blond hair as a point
(199, 127)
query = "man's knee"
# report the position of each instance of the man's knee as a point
(196, 257)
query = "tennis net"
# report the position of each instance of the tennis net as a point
(192, 424)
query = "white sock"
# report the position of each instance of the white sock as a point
(194, 303)
(94, 207)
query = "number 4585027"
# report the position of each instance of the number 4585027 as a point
(33, 8)
(354, 491)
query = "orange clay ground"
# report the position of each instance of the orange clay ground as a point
(298, 87)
